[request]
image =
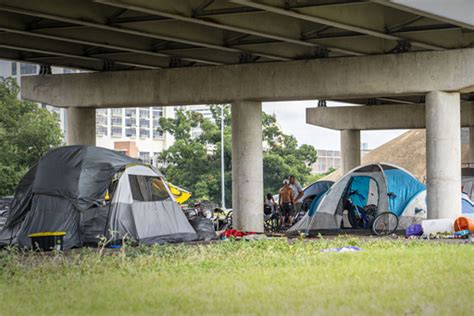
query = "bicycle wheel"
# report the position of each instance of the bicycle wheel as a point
(385, 224)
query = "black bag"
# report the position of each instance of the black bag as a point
(204, 228)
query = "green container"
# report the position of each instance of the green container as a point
(47, 241)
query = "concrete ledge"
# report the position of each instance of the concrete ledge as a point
(348, 77)
(379, 117)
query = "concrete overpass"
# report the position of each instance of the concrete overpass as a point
(244, 52)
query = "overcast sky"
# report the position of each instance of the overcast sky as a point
(291, 118)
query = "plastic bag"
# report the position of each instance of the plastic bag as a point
(204, 228)
(414, 230)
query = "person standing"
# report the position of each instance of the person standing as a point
(297, 194)
(286, 202)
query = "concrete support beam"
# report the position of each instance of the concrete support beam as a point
(443, 154)
(350, 149)
(329, 78)
(379, 117)
(247, 166)
(80, 128)
(471, 147)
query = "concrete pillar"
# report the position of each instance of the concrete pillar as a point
(350, 149)
(80, 129)
(443, 154)
(471, 148)
(247, 166)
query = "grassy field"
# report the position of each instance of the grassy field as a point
(260, 277)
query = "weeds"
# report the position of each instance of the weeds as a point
(258, 277)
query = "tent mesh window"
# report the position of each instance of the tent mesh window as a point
(147, 189)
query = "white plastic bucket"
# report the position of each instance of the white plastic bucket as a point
(433, 226)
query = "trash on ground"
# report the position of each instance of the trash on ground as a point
(414, 230)
(204, 228)
(464, 223)
(342, 249)
(433, 226)
(236, 233)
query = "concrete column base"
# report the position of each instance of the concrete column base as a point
(443, 154)
(80, 126)
(350, 149)
(247, 166)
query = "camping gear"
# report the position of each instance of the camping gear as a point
(414, 230)
(385, 224)
(388, 187)
(47, 241)
(314, 191)
(466, 204)
(463, 223)
(204, 228)
(433, 226)
(65, 191)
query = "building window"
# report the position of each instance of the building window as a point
(144, 123)
(101, 112)
(101, 130)
(131, 132)
(130, 122)
(116, 131)
(101, 120)
(13, 69)
(27, 69)
(144, 113)
(144, 133)
(130, 112)
(157, 134)
(157, 112)
(156, 123)
(117, 112)
(116, 121)
(144, 155)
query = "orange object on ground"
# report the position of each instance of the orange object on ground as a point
(462, 223)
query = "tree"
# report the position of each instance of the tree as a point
(27, 132)
(194, 162)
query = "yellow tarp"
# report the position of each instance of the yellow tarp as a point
(179, 194)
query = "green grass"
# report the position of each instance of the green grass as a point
(260, 277)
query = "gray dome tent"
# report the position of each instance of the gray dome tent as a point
(67, 191)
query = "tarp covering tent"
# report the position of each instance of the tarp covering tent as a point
(386, 186)
(66, 191)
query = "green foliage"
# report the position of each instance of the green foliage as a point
(194, 163)
(27, 132)
(268, 277)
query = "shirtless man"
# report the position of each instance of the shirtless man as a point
(286, 201)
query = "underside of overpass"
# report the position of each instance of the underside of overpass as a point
(400, 56)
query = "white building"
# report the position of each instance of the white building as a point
(331, 159)
(133, 130)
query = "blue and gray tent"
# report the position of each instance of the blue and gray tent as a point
(388, 187)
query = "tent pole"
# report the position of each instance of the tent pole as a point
(222, 159)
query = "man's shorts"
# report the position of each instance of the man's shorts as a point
(286, 209)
